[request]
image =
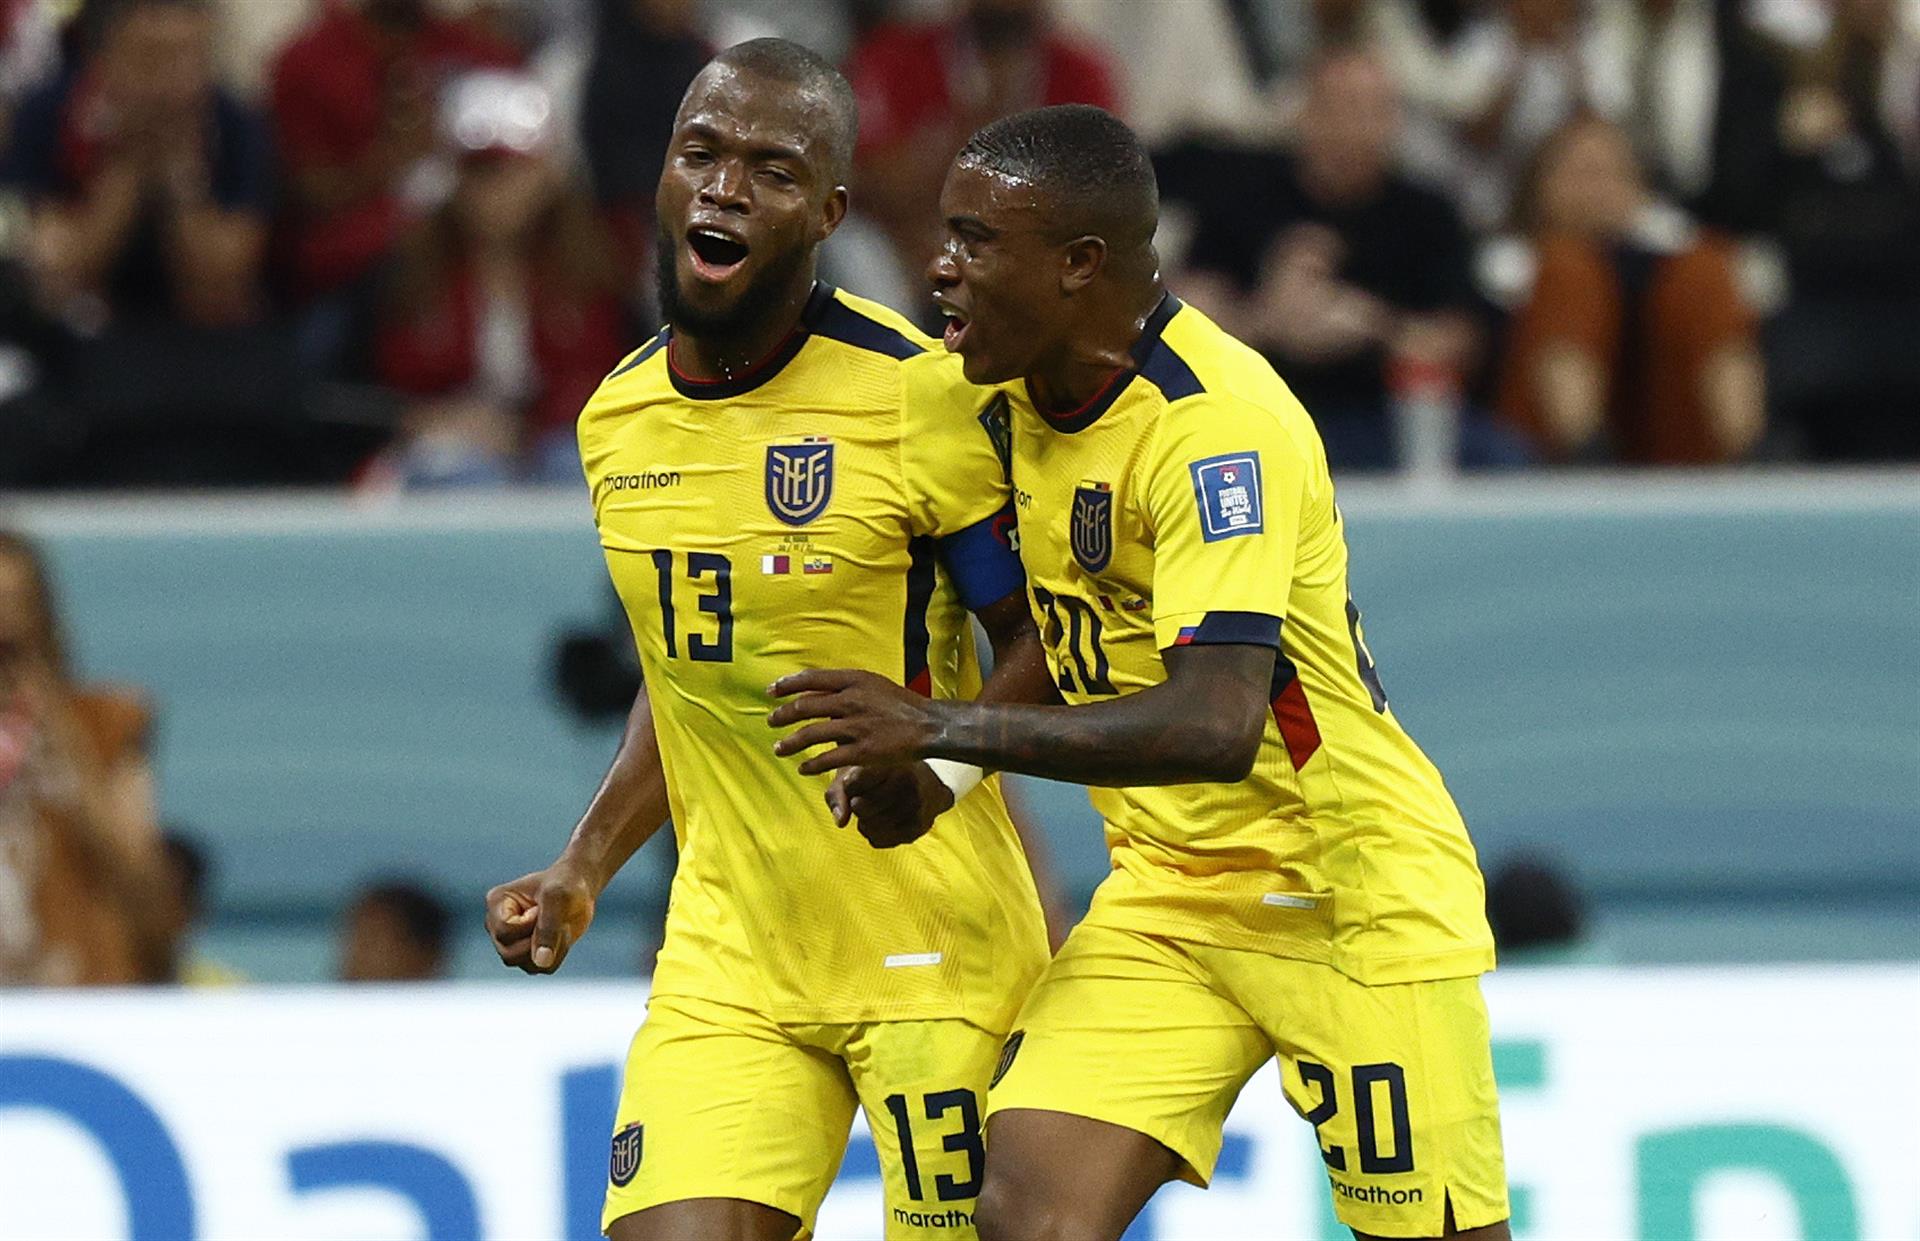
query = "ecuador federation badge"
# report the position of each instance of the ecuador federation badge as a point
(1090, 528)
(626, 1155)
(799, 479)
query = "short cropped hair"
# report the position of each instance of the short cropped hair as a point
(788, 62)
(1092, 169)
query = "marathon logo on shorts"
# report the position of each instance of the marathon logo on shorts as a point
(626, 1155)
(1091, 526)
(1227, 489)
(800, 479)
(1007, 1053)
(1379, 1194)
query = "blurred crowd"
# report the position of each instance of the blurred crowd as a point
(395, 243)
(93, 889)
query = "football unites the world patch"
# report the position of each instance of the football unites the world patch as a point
(625, 1161)
(1090, 528)
(800, 479)
(1227, 489)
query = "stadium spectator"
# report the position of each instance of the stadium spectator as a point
(394, 931)
(149, 191)
(78, 864)
(148, 184)
(504, 309)
(645, 52)
(1844, 185)
(923, 89)
(1494, 85)
(29, 49)
(355, 101)
(1636, 345)
(1341, 270)
(188, 874)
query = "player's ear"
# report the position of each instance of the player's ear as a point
(832, 212)
(1082, 260)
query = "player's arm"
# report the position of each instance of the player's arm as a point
(897, 803)
(535, 919)
(1223, 491)
(1202, 724)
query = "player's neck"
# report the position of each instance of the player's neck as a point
(1096, 352)
(721, 357)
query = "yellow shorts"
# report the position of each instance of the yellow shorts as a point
(1159, 1036)
(719, 1102)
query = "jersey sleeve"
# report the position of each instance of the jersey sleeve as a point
(1224, 497)
(955, 467)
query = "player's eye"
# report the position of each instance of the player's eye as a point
(698, 156)
(777, 176)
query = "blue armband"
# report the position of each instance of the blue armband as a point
(982, 562)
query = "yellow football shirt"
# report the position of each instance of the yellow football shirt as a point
(840, 506)
(1190, 502)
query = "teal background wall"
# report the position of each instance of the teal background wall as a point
(1703, 696)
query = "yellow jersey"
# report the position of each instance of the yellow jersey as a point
(1190, 502)
(840, 506)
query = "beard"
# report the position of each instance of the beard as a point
(763, 296)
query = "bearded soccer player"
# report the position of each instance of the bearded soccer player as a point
(1290, 876)
(789, 476)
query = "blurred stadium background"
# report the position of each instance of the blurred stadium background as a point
(1610, 312)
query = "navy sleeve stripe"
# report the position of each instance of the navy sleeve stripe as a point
(914, 633)
(646, 351)
(982, 562)
(838, 321)
(1169, 372)
(1241, 628)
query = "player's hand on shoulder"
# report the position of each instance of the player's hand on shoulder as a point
(890, 806)
(868, 719)
(536, 919)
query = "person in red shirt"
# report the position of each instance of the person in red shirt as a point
(505, 306)
(355, 97)
(923, 89)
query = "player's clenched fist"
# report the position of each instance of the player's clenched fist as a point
(536, 918)
(890, 805)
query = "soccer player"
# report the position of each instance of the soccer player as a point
(789, 476)
(1290, 876)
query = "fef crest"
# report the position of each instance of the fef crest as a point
(799, 479)
(626, 1155)
(1091, 525)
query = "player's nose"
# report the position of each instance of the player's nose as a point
(726, 187)
(943, 272)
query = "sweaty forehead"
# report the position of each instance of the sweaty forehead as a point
(995, 198)
(751, 107)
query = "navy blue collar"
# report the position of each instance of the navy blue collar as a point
(818, 303)
(1141, 359)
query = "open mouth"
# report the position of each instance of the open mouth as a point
(957, 325)
(716, 255)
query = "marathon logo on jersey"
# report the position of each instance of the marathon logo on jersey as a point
(1090, 528)
(1227, 489)
(1007, 1053)
(800, 479)
(626, 1155)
